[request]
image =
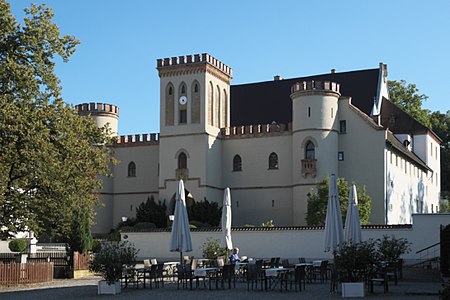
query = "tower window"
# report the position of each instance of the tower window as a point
(131, 169)
(183, 116)
(183, 89)
(309, 111)
(340, 156)
(182, 161)
(332, 112)
(273, 161)
(237, 163)
(170, 91)
(310, 151)
(196, 88)
(342, 126)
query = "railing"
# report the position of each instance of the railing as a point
(14, 273)
(309, 167)
(429, 255)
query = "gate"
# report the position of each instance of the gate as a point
(445, 250)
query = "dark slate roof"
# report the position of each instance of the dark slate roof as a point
(394, 142)
(264, 102)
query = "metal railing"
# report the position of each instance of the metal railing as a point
(429, 256)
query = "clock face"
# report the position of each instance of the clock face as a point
(183, 100)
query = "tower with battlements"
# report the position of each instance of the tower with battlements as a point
(195, 104)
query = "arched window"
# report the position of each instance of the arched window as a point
(237, 163)
(131, 169)
(195, 102)
(310, 151)
(273, 161)
(182, 161)
(182, 89)
(170, 102)
(195, 87)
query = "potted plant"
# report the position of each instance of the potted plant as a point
(353, 262)
(110, 260)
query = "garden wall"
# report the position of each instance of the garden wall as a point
(288, 242)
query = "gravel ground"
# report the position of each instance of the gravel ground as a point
(418, 286)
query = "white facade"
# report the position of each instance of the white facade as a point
(270, 168)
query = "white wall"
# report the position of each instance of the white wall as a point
(290, 243)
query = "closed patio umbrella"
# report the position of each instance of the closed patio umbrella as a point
(334, 234)
(226, 220)
(181, 235)
(352, 231)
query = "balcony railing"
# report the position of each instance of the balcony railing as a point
(309, 167)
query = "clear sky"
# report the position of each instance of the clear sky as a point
(121, 40)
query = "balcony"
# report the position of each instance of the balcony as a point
(309, 167)
(182, 174)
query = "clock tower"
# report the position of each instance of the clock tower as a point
(194, 104)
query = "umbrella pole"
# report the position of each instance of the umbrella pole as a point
(181, 258)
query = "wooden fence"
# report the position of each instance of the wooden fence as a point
(14, 273)
(81, 261)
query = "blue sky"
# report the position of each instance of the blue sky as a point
(121, 40)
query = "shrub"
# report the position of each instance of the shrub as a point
(391, 249)
(144, 225)
(153, 212)
(18, 245)
(112, 257)
(199, 224)
(205, 212)
(268, 224)
(211, 249)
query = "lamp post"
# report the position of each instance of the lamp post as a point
(171, 218)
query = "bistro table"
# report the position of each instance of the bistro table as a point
(171, 268)
(204, 273)
(274, 276)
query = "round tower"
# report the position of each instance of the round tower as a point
(314, 138)
(102, 114)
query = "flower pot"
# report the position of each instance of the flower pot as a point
(105, 288)
(353, 289)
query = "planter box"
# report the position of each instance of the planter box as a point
(353, 289)
(111, 289)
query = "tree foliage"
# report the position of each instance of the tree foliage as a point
(205, 212)
(152, 212)
(50, 157)
(318, 201)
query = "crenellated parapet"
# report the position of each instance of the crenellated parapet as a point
(258, 130)
(93, 108)
(137, 140)
(315, 87)
(179, 65)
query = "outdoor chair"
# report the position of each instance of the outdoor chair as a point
(320, 271)
(255, 275)
(161, 273)
(301, 260)
(297, 277)
(152, 275)
(285, 263)
(184, 275)
(226, 274)
(378, 276)
(147, 263)
(153, 261)
(334, 278)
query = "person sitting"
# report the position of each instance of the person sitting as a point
(234, 256)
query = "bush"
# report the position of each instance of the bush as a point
(144, 225)
(268, 224)
(199, 224)
(112, 257)
(18, 245)
(211, 249)
(205, 212)
(153, 212)
(391, 249)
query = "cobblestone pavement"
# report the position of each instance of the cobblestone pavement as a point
(419, 285)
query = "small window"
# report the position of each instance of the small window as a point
(340, 156)
(170, 91)
(196, 88)
(183, 89)
(310, 151)
(343, 126)
(183, 116)
(131, 169)
(309, 111)
(182, 161)
(332, 113)
(273, 161)
(237, 163)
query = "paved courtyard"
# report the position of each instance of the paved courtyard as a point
(417, 284)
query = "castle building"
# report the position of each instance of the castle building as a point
(271, 143)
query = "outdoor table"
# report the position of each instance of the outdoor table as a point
(203, 261)
(204, 272)
(273, 275)
(240, 268)
(135, 276)
(171, 267)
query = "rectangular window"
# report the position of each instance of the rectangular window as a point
(391, 157)
(343, 126)
(340, 156)
(183, 116)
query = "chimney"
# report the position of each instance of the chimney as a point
(333, 71)
(277, 78)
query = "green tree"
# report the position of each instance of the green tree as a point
(440, 124)
(50, 157)
(318, 201)
(205, 212)
(153, 212)
(406, 96)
